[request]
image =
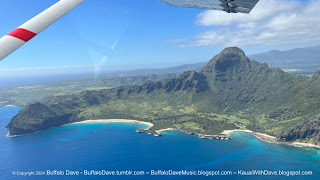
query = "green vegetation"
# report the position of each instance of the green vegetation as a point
(23, 95)
(230, 92)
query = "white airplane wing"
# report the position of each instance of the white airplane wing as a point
(230, 6)
(31, 28)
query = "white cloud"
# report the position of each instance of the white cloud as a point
(270, 22)
(175, 40)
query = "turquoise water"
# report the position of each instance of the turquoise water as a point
(116, 146)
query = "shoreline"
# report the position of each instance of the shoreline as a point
(261, 136)
(300, 144)
(166, 129)
(114, 120)
(91, 121)
(126, 120)
(271, 139)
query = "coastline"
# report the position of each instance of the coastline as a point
(115, 120)
(156, 132)
(93, 121)
(260, 136)
(167, 129)
(300, 144)
(271, 139)
(127, 120)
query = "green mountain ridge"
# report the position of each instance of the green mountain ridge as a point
(231, 91)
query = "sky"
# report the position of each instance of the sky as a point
(112, 35)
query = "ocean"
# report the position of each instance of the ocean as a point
(111, 148)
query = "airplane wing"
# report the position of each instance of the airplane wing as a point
(15, 39)
(31, 28)
(230, 6)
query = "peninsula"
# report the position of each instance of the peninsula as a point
(229, 92)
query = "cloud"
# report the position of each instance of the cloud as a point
(175, 40)
(271, 22)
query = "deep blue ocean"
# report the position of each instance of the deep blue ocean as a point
(117, 147)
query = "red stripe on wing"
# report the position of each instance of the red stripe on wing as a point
(23, 34)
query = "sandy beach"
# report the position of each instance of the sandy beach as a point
(271, 139)
(300, 144)
(265, 137)
(236, 130)
(261, 136)
(167, 129)
(127, 120)
(117, 120)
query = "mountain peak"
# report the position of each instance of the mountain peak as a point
(227, 58)
(232, 51)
